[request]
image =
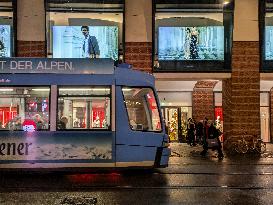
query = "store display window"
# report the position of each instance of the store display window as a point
(24, 108)
(266, 33)
(265, 116)
(85, 29)
(84, 108)
(7, 28)
(142, 109)
(192, 35)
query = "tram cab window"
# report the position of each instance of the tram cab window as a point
(142, 109)
(24, 108)
(84, 108)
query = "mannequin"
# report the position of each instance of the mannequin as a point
(218, 123)
(97, 122)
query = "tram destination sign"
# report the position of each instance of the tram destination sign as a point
(57, 65)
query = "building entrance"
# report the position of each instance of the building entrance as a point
(176, 119)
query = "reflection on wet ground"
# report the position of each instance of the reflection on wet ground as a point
(189, 179)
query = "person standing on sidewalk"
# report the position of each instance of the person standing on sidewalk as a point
(199, 132)
(191, 132)
(212, 133)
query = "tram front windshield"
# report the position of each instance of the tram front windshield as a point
(142, 109)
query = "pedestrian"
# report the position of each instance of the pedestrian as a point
(199, 132)
(191, 131)
(212, 133)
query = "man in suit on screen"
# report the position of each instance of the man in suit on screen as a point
(90, 44)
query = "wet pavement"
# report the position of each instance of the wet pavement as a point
(191, 155)
(189, 179)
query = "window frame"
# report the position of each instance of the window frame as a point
(109, 128)
(121, 53)
(266, 66)
(49, 104)
(198, 66)
(157, 104)
(13, 48)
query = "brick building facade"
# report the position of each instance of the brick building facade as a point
(240, 87)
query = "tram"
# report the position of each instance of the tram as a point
(62, 114)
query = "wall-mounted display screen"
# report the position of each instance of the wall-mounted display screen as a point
(269, 43)
(191, 43)
(85, 42)
(5, 41)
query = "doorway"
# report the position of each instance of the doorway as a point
(176, 119)
(265, 129)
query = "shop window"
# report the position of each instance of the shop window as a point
(266, 33)
(7, 30)
(142, 109)
(192, 35)
(24, 108)
(265, 116)
(85, 29)
(84, 108)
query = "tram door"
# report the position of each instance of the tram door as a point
(176, 119)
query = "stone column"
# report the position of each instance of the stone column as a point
(31, 28)
(241, 94)
(138, 34)
(202, 100)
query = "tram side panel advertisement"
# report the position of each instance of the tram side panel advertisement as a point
(85, 42)
(56, 147)
(5, 41)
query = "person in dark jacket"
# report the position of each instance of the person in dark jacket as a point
(90, 44)
(191, 129)
(199, 132)
(212, 133)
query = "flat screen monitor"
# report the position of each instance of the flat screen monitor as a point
(191, 43)
(269, 43)
(85, 42)
(5, 41)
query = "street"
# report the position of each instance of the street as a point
(189, 179)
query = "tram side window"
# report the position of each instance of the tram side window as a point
(142, 109)
(24, 108)
(84, 108)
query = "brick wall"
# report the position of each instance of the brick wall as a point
(139, 54)
(31, 49)
(227, 106)
(245, 80)
(202, 100)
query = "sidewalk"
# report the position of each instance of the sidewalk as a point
(186, 154)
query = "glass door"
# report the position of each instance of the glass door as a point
(218, 116)
(186, 113)
(176, 120)
(264, 111)
(172, 123)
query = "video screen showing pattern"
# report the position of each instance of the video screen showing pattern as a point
(269, 43)
(85, 42)
(5, 41)
(191, 43)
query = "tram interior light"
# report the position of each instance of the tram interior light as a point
(6, 89)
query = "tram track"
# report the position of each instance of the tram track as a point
(116, 188)
(171, 181)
